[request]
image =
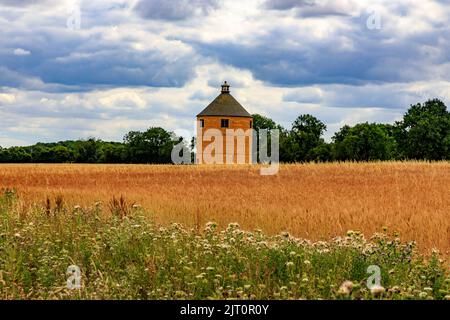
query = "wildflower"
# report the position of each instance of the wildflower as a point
(250, 239)
(233, 225)
(209, 269)
(377, 290)
(307, 262)
(423, 295)
(263, 244)
(348, 285)
(285, 234)
(289, 264)
(210, 226)
(343, 291)
(180, 293)
(237, 232)
(292, 253)
(394, 289)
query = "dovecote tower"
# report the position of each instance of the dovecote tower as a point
(224, 115)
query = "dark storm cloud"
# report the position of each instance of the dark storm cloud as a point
(311, 8)
(174, 9)
(358, 57)
(388, 96)
(67, 58)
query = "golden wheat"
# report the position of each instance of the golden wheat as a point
(314, 201)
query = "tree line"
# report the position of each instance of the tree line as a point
(422, 134)
(152, 146)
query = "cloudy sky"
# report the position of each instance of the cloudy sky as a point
(76, 69)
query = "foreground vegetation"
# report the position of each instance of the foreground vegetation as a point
(124, 255)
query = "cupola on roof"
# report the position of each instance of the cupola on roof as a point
(225, 105)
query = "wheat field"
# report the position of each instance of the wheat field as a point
(312, 201)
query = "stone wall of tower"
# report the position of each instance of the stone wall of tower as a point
(244, 138)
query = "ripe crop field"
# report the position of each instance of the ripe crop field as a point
(312, 201)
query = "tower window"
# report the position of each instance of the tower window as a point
(202, 123)
(251, 124)
(224, 123)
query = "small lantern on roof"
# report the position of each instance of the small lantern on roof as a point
(225, 87)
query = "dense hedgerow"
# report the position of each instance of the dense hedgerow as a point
(124, 255)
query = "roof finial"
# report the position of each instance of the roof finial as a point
(225, 87)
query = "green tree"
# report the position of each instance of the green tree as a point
(364, 142)
(61, 154)
(424, 132)
(262, 122)
(152, 146)
(305, 142)
(40, 154)
(113, 153)
(322, 153)
(88, 151)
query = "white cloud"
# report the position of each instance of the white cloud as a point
(6, 98)
(21, 52)
(6, 142)
(123, 99)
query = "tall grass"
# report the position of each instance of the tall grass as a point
(122, 254)
(314, 201)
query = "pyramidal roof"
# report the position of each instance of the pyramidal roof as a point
(225, 105)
